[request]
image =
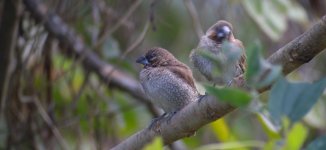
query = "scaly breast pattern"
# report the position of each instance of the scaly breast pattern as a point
(166, 90)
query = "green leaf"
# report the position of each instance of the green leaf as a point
(267, 16)
(222, 130)
(233, 145)
(271, 130)
(271, 145)
(223, 62)
(286, 123)
(231, 51)
(110, 48)
(260, 73)
(217, 61)
(271, 16)
(156, 144)
(296, 137)
(235, 97)
(253, 63)
(317, 144)
(293, 100)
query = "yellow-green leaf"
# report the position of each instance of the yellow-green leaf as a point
(156, 144)
(221, 130)
(296, 137)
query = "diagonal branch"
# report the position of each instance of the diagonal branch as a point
(11, 12)
(195, 18)
(293, 55)
(302, 49)
(75, 46)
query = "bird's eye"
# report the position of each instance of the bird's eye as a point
(222, 33)
(151, 57)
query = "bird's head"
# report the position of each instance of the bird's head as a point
(156, 57)
(220, 32)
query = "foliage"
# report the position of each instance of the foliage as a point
(157, 143)
(318, 143)
(294, 100)
(233, 96)
(290, 101)
(260, 72)
(271, 15)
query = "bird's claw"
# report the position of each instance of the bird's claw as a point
(155, 122)
(169, 116)
(201, 97)
(229, 83)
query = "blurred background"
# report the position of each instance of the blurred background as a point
(72, 106)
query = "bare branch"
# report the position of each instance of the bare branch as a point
(302, 49)
(195, 19)
(49, 122)
(75, 46)
(138, 41)
(131, 48)
(8, 33)
(299, 51)
(133, 7)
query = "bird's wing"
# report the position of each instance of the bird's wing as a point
(242, 62)
(243, 58)
(184, 73)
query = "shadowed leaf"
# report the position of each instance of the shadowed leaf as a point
(260, 72)
(293, 100)
(317, 144)
(235, 97)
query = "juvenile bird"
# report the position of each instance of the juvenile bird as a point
(166, 81)
(211, 43)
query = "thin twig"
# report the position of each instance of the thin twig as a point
(111, 15)
(195, 19)
(75, 45)
(106, 33)
(10, 17)
(80, 91)
(138, 41)
(130, 48)
(74, 65)
(49, 122)
(152, 13)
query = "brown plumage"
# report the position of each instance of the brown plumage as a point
(166, 81)
(212, 42)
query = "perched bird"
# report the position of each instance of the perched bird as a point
(166, 81)
(211, 43)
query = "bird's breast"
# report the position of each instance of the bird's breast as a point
(166, 90)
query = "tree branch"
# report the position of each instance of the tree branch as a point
(195, 19)
(8, 33)
(302, 49)
(182, 124)
(75, 46)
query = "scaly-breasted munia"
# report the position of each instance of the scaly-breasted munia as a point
(212, 42)
(166, 81)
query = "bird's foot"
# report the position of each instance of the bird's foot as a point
(201, 97)
(156, 122)
(229, 83)
(169, 116)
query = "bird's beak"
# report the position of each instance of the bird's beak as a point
(142, 60)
